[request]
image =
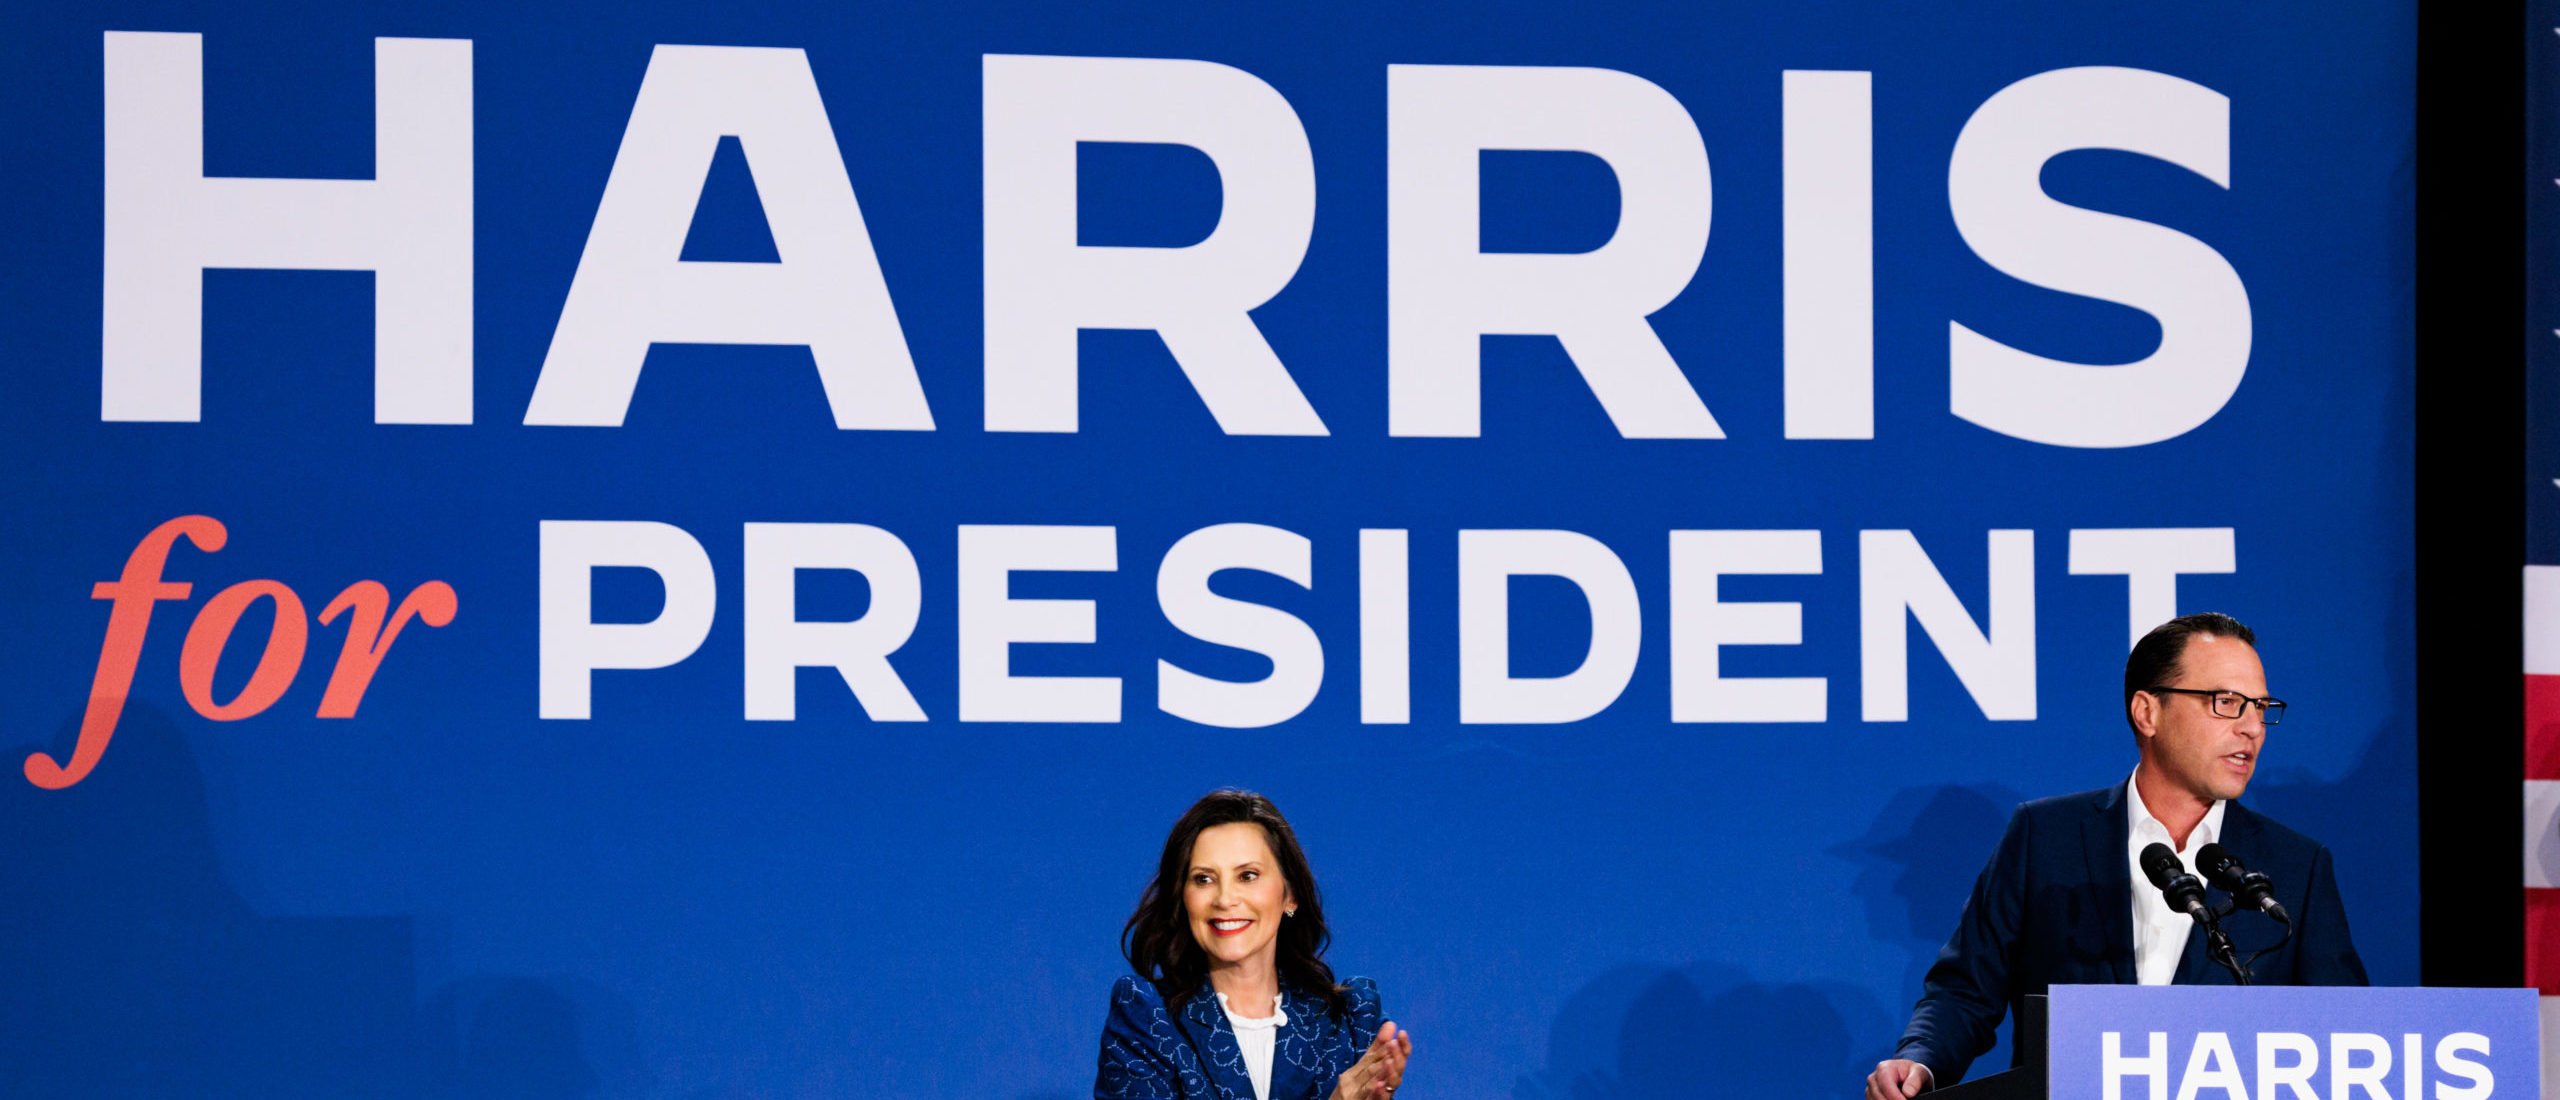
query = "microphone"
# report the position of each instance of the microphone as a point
(2182, 891)
(2252, 888)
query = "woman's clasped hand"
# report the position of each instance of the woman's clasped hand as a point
(1380, 1069)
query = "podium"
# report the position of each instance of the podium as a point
(2082, 1042)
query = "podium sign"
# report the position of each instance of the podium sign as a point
(2117, 1042)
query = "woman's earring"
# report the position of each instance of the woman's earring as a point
(1288, 912)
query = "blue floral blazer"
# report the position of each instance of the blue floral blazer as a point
(1154, 1053)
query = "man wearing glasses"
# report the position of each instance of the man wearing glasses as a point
(2064, 901)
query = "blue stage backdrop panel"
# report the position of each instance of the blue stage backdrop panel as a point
(2136, 269)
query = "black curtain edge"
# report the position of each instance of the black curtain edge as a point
(2470, 389)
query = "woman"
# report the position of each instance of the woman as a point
(1232, 999)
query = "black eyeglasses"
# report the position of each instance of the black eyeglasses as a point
(2229, 704)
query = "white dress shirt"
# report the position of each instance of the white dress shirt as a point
(1256, 1038)
(2159, 932)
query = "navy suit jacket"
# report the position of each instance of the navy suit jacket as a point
(2055, 907)
(1191, 1054)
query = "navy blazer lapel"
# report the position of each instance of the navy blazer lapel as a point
(2239, 831)
(2196, 967)
(1204, 1022)
(2106, 836)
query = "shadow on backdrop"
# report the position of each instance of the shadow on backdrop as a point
(135, 969)
(1916, 866)
(1658, 1033)
(2324, 810)
(2383, 776)
(1917, 862)
(521, 1038)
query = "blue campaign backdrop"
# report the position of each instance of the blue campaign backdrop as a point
(448, 895)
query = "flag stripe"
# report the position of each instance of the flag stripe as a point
(2542, 620)
(2542, 727)
(2542, 940)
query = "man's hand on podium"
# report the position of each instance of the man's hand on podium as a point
(1897, 1078)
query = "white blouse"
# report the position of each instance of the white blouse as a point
(1256, 1038)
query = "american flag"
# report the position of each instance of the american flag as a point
(2542, 545)
(2542, 795)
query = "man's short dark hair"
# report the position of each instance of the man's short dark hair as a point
(2155, 661)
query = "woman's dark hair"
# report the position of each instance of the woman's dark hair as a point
(1157, 940)
(2157, 658)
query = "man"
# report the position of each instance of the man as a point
(2064, 901)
